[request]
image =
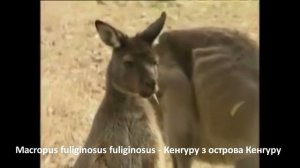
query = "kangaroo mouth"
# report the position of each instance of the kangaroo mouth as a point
(148, 92)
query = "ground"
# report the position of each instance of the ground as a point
(73, 58)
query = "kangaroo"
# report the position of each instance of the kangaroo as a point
(209, 94)
(125, 117)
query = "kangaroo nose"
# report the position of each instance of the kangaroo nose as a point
(150, 84)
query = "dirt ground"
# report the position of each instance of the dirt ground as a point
(72, 83)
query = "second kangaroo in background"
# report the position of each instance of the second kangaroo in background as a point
(209, 94)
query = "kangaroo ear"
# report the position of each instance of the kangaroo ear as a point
(153, 30)
(109, 35)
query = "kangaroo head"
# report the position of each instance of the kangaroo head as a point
(133, 66)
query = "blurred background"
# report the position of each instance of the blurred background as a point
(74, 59)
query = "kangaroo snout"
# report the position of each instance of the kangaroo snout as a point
(149, 87)
(150, 84)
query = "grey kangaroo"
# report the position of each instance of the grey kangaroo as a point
(209, 94)
(125, 117)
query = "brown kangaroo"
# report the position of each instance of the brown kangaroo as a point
(209, 94)
(126, 117)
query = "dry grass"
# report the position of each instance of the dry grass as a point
(73, 85)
